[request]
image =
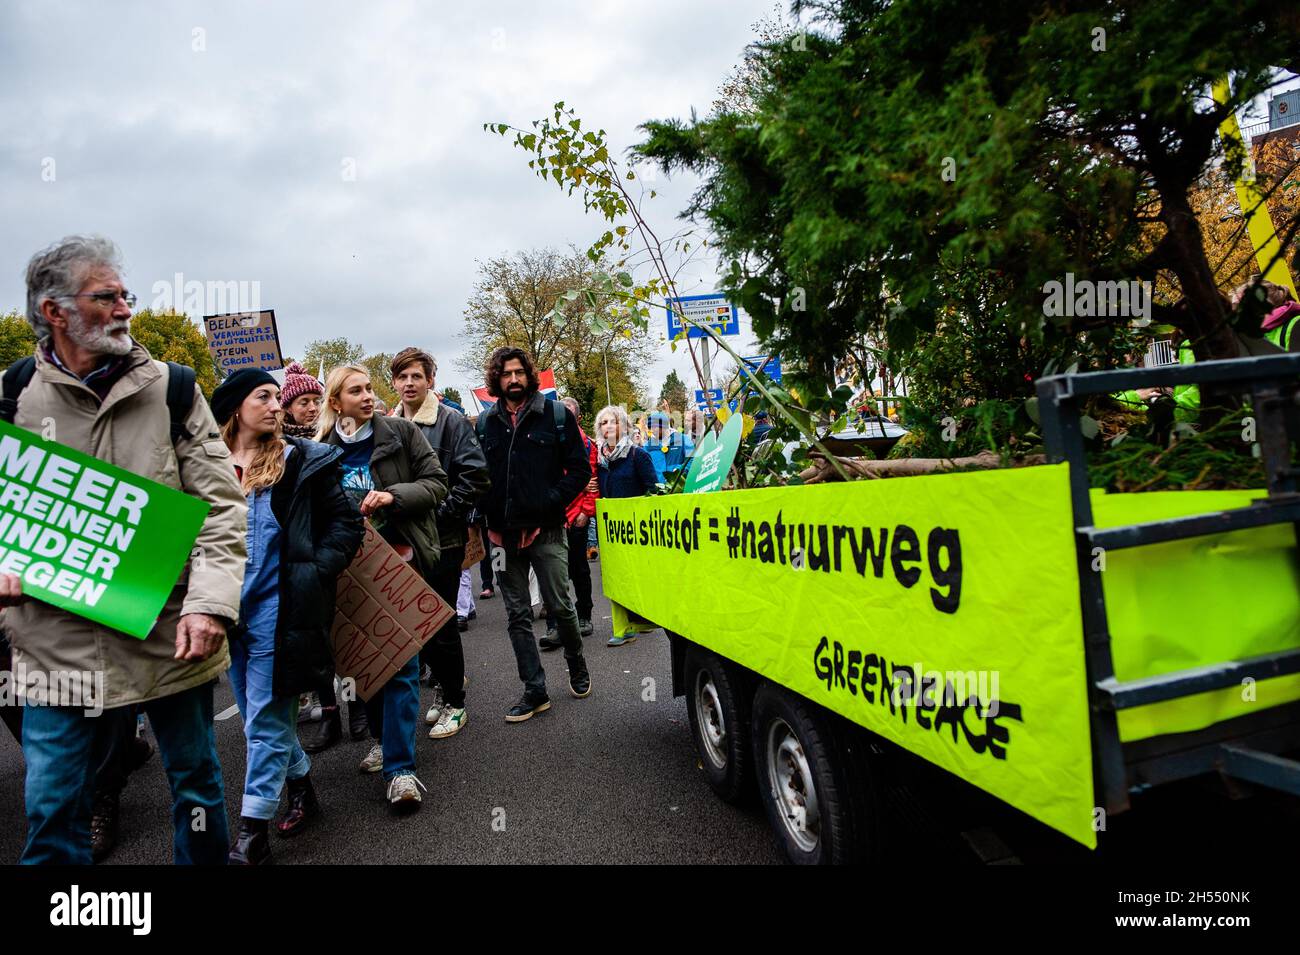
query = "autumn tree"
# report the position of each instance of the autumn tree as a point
(17, 339)
(380, 365)
(521, 300)
(331, 353)
(173, 336)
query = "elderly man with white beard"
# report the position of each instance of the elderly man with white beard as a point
(106, 397)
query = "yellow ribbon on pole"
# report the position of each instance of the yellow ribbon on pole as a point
(1259, 224)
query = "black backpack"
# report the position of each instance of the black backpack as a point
(180, 393)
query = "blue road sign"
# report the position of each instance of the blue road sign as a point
(716, 394)
(769, 365)
(713, 310)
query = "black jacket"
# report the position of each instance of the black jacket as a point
(452, 437)
(320, 532)
(404, 465)
(533, 477)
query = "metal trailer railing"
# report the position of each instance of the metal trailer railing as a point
(1243, 748)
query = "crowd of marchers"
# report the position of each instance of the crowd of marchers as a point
(291, 468)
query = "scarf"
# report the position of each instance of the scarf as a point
(609, 456)
(299, 430)
(363, 432)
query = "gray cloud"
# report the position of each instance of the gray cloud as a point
(226, 163)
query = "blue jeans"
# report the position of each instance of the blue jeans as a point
(270, 723)
(63, 749)
(393, 713)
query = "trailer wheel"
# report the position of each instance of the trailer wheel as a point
(812, 781)
(719, 714)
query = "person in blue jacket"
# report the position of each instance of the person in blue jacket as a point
(665, 445)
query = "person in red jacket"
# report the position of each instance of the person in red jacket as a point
(580, 513)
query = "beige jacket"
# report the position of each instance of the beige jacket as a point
(132, 429)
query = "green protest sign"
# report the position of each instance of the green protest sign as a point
(88, 537)
(713, 457)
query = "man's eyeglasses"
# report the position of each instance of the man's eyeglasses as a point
(110, 298)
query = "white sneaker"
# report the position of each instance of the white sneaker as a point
(450, 722)
(404, 790)
(434, 712)
(374, 760)
(309, 708)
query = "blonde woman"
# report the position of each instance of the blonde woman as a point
(624, 470)
(392, 475)
(302, 533)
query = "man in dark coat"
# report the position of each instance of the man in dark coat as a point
(452, 438)
(538, 465)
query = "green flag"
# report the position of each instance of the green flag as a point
(714, 456)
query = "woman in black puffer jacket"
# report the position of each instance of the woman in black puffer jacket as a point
(303, 531)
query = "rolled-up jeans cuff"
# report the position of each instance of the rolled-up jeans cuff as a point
(258, 807)
(299, 768)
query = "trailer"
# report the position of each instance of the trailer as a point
(1054, 647)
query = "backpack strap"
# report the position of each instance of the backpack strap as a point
(480, 425)
(180, 393)
(16, 377)
(180, 398)
(557, 412)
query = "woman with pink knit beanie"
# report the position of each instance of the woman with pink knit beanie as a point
(301, 398)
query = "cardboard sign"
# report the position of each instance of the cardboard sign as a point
(384, 614)
(474, 549)
(88, 537)
(244, 340)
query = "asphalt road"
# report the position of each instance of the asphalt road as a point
(612, 778)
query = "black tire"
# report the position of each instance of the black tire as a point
(797, 746)
(718, 707)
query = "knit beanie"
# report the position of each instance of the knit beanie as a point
(298, 382)
(230, 394)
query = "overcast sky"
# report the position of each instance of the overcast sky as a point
(215, 140)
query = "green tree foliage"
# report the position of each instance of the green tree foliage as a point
(16, 338)
(332, 352)
(453, 394)
(899, 150)
(674, 392)
(519, 300)
(380, 365)
(169, 336)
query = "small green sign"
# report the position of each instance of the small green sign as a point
(713, 457)
(89, 537)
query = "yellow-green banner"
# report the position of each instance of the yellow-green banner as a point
(1193, 603)
(939, 612)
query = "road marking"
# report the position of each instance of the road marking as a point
(228, 712)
